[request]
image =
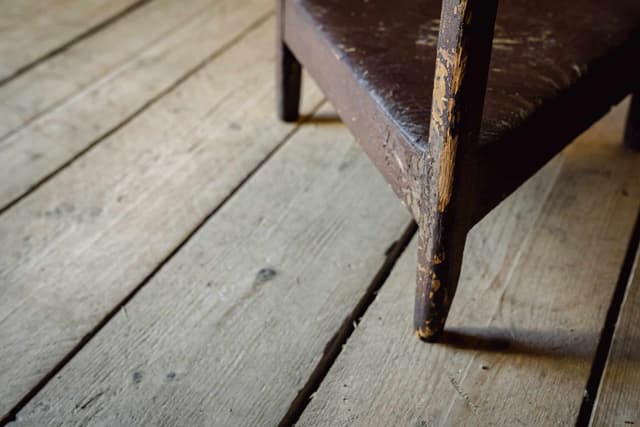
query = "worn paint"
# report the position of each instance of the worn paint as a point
(454, 118)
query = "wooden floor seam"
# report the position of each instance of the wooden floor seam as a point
(350, 324)
(87, 33)
(11, 415)
(60, 102)
(224, 48)
(192, 258)
(606, 337)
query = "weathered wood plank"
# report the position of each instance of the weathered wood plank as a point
(445, 208)
(537, 279)
(618, 401)
(48, 143)
(232, 327)
(91, 59)
(72, 250)
(31, 29)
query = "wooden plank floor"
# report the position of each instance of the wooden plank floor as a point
(618, 401)
(171, 254)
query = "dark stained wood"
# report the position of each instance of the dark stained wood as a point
(541, 49)
(289, 75)
(450, 155)
(632, 129)
(387, 146)
(509, 162)
(462, 63)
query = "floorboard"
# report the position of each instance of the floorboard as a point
(90, 60)
(618, 400)
(538, 277)
(32, 29)
(45, 145)
(172, 254)
(75, 248)
(233, 326)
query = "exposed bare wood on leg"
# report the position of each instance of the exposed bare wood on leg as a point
(462, 64)
(439, 262)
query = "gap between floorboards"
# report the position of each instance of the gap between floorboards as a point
(82, 35)
(224, 48)
(606, 336)
(11, 415)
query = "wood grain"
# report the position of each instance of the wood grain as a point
(232, 327)
(447, 199)
(75, 248)
(618, 401)
(537, 279)
(90, 60)
(49, 142)
(31, 29)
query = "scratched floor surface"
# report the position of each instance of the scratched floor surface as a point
(172, 254)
